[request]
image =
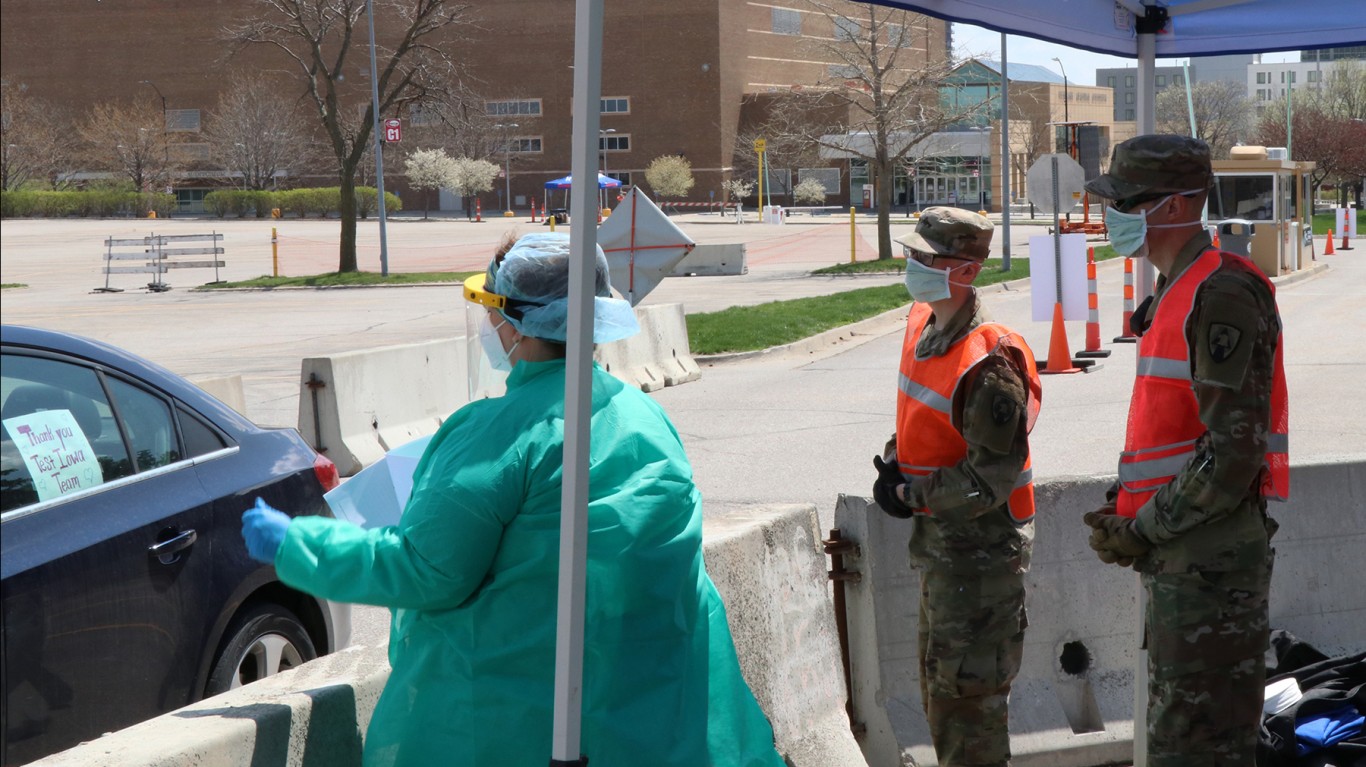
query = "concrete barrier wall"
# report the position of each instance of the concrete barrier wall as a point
(769, 566)
(373, 400)
(658, 355)
(1072, 705)
(766, 564)
(712, 261)
(228, 389)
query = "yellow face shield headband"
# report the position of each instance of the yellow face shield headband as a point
(475, 293)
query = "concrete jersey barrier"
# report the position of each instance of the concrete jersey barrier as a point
(766, 564)
(1073, 702)
(712, 261)
(355, 406)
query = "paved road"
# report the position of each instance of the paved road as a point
(790, 426)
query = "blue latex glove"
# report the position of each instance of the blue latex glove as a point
(263, 528)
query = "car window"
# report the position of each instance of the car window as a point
(147, 417)
(199, 438)
(59, 435)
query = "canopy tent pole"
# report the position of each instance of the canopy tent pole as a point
(578, 390)
(1147, 98)
(1005, 160)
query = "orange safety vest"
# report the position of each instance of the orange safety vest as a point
(926, 436)
(1164, 416)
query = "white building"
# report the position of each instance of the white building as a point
(1270, 82)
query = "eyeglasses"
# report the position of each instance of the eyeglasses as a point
(927, 259)
(1127, 205)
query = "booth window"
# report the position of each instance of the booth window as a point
(1246, 197)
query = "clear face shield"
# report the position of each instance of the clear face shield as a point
(484, 354)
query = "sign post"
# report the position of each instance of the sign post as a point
(759, 145)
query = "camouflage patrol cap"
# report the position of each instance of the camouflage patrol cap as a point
(1154, 164)
(951, 232)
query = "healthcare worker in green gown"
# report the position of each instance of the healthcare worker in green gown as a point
(470, 570)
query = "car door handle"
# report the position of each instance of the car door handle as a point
(166, 550)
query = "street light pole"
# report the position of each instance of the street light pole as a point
(1066, 116)
(507, 167)
(601, 133)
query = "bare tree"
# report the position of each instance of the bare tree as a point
(321, 38)
(130, 140)
(1223, 113)
(1336, 144)
(35, 139)
(258, 133)
(888, 89)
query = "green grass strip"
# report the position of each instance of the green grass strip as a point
(9, 285)
(746, 328)
(1325, 221)
(336, 279)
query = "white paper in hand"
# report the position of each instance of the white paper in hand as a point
(377, 495)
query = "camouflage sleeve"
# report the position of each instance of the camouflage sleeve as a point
(1232, 335)
(992, 421)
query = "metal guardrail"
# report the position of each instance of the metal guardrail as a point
(158, 258)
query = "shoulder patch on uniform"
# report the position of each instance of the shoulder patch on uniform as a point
(1002, 409)
(1223, 341)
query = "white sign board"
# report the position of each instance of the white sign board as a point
(1345, 222)
(377, 495)
(1043, 282)
(55, 451)
(1039, 183)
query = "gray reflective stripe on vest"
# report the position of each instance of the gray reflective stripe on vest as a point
(925, 395)
(1162, 367)
(1278, 443)
(1153, 468)
(1159, 448)
(1025, 478)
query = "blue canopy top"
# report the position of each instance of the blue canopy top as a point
(1195, 27)
(604, 182)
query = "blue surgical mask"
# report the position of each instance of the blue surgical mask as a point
(927, 284)
(1129, 231)
(499, 358)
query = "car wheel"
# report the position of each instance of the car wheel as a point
(263, 641)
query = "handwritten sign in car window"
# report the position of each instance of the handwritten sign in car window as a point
(56, 452)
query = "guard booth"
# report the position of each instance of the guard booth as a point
(1262, 186)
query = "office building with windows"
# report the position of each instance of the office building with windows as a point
(1124, 83)
(678, 78)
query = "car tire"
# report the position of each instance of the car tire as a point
(263, 641)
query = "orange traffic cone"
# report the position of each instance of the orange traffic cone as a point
(1125, 335)
(1059, 358)
(1216, 239)
(1344, 245)
(1093, 310)
(1328, 251)
(478, 211)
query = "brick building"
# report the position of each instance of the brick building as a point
(678, 77)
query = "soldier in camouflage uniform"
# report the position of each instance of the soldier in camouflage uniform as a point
(958, 467)
(1204, 451)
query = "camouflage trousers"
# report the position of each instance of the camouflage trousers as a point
(1206, 634)
(970, 640)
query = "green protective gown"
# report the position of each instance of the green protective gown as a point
(471, 571)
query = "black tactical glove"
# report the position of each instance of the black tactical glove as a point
(885, 489)
(1115, 539)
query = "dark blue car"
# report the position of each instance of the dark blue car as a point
(127, 591)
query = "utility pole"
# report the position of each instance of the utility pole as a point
(507, 165)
